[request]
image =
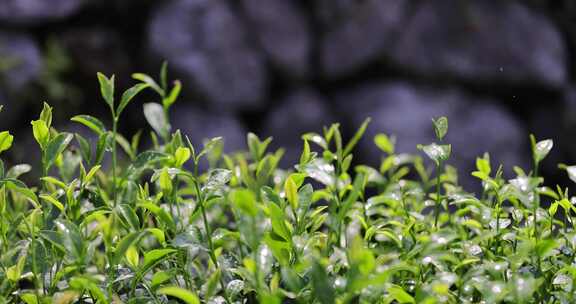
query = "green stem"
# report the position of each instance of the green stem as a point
(535, 211)
(114, 158)
(210, 243)
(296, 220)
(438, 201)
(255, 256)
(334, 228)
(166, 132)
(497, 215)
(34, 260)
(174, 200)
(404, 206)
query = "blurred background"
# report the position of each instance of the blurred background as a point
(497, 69)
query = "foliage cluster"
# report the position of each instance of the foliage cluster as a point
(178, 223)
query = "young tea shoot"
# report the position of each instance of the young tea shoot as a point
(110, 222)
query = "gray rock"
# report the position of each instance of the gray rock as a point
(282, 32)
(475, 125)
(484, 41)
(104, 47)
(357, 32)
(208, 44)
(300, 112)
(200, 124)
(35, 11)
(20, 61)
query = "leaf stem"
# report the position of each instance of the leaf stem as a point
(202, 202)
(438, 200)
(114, 159)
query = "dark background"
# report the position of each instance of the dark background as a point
(498, 69)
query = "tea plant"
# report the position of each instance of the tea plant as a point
(108, 222)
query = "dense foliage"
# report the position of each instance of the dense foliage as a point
(177, 223)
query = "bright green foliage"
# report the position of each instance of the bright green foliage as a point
(153, 227)
(5, 141)
(440, 127)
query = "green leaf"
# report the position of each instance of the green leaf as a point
(440, 127)
(268, 298)
(5, 141)
(91, 174)
(571, 170)
(158, 234)
(148, 157)
(256, 146)
(357, 136)
(544, 247)
(291, 191)
(540, 149)
(384, 143)
(41, 133)
(320, 170)
(154, 256)
(270, 195)
(149, 81)
(53, 238)
(107, 89)
(102, 146)
(483, 165)
(165, 182)
(164, 74)
(181, 156)
(132, 256)
(154, 114)
(278, 221)
(128, 216)
(397, 293)
(361, 258)
(280, 247)
(143, 161)
(315, 138)
(15, 272)
(553, 208)
(185, 295)
(18, 170)
(125, 145)
(438, 153)
(217, 179)
(212, 284)
(306, 155)
(19, 187)
(55, 147)
(84, 147)
(305, 200)
(128, 95)
(84, 283)
(131, 239)
(72, 239)
(53, 201)
(29, 298)
(174, 93)
(321, 284)
(160, 214)
(245, 201)
(91, 122)
(46, 114)
(159, 278)
(357, 190)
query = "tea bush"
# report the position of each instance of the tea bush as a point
(178, 223)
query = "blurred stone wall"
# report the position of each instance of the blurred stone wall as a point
(497, 69)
